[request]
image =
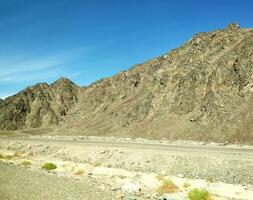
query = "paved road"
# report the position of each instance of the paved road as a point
(166, 147)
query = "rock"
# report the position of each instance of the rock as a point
(102, 187)
(165, 56)
(130, 187)
(103, 152)
(180, 175)
(163, 172)
(174, 196)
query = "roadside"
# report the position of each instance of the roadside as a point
(130, 171)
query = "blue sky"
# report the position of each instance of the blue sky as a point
(85, 40)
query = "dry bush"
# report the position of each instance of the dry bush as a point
(79, 172)
(167, 187)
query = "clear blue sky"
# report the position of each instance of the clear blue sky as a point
(85, 40)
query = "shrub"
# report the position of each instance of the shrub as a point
(49, 166)
(26, 163)
(167, 187)
(1, 156)
(199, 194)
(186, 185)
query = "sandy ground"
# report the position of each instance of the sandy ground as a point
(128, 171)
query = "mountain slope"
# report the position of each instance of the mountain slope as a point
(202, 90)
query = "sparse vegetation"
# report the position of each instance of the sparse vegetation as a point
(96, 164)
(26, 163)
(17, 154)
(122, 176)
(1, 156)
(186, 185)
(80, 172)
(159, 177)
(210, 179)
(199, 194)
(167, 187)
(8, 157)
(49, 166)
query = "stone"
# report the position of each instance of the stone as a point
(130, 187)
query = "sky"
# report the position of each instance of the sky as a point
(86, 40)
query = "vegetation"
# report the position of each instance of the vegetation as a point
(26, 163)
(199, 194)
(159, 177)
(79, 172)
(1, 156)
(8, 157)
(49, 166)
(186, 185)
(210, 179)
(167, 187)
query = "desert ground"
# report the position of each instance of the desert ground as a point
(117, 168)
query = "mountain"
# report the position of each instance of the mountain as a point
(41, 105)
(201, 90)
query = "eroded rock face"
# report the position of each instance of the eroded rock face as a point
(39, 105)
(202, 90)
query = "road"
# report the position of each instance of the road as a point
(238, 151)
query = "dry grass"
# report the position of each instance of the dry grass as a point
(210, 179)
(79, 172)
(18, 154)
(167, 187)
(96, 164)
(159, 177)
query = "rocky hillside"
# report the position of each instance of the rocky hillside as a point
(41, 105)
(202, 90)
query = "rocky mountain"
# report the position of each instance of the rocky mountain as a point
(201, 90)
(41, 105)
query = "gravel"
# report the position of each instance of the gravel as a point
(17, 183)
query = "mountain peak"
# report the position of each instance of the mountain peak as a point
(63, 80)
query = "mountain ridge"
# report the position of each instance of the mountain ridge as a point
(201, 90)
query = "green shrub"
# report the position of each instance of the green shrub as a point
(1, 156)
(26, 163)
(49, 166)
(199, 194)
